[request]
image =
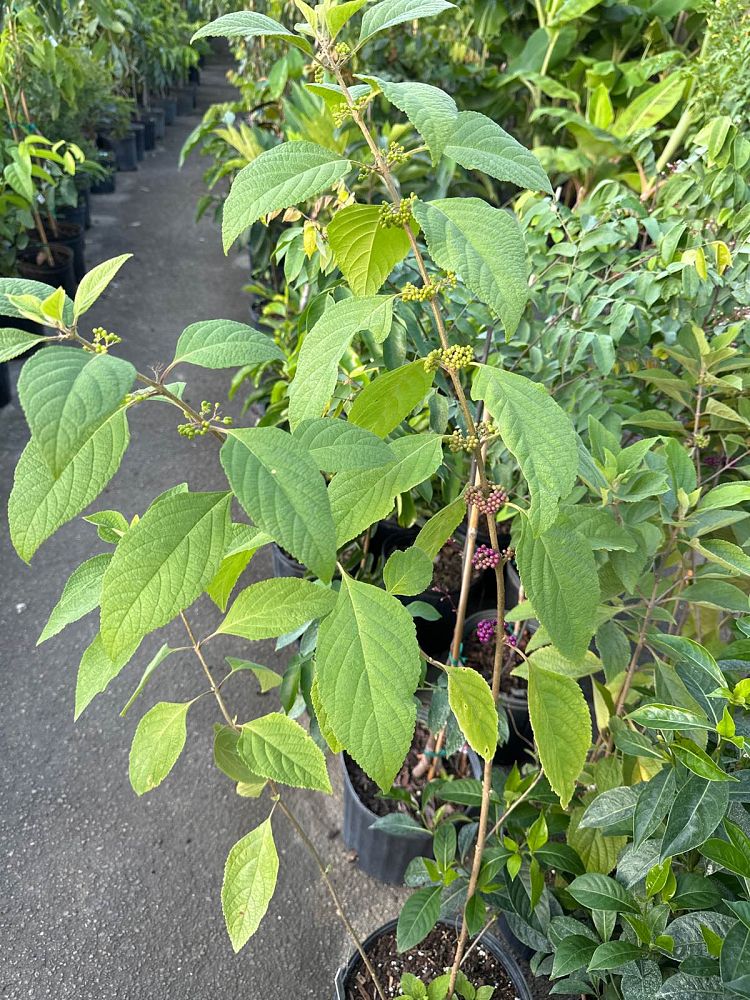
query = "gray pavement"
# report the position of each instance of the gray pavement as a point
(103, 894)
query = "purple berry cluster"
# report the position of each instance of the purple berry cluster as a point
(485, 558)
(488, 500)
(486, 630)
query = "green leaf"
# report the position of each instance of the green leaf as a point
(570, 10)
(389, 13)
(278, 748)
(717, 594)
(279, 177)
(321, 715)
(600, 892)
(435, 533)
(484, 246)
(613, 954)
(698, 808)
(539, 435)
(15, 342)
(432, 112)
(477, 143)
(39, 504)
(276, 607)
(96, 669)
(726, 495)
(163, 564)
(654, 802)
(13, 287)
(340, 446)
(279, 485)
(559, 574)
(601, 529)
(726, 554)
(94, 282)
(249, 24)
(337, 17)
(551, 659)
(684, 987)
(572, 953)
(367, 668)
(161, 655)
(364, 250)
(698, 761)
(407, 572)
(651, 106)
(249, 882)
(358, 499)
(610, 808)
(315, 379)
(227, 756)
(267, 678)
(472, 703)
(110, 525)
(390, 397)
(245, 542)
(66, 395)
(418, 916)
(224, 343)
(562, 728)
(735, 960)
(157, 743)
(668, 718)
(80, 595)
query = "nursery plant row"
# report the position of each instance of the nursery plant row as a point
(496, 435)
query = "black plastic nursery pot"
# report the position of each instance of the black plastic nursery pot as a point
(156, 116)
(107, 185)
(5, 395)
(139, 131)
(60, 273)
(149, 132)
(169, 105)
(73, 213)
(72, 235)
(283, 564)
(185, 102)
(383, 855)
(194, 75)
(126, 153)
(488, 946)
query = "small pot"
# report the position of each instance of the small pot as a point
(5, 395)
(384, 856)
(194, 75)
(126, 152)
(156, 115)
(61, 273)
(107, 185)
(169, 105)
(139, 131)
(185, 103)
(76, 214)
(391, 532)
(284, 565)
(149, 131)
(71, 235)
(497, 948)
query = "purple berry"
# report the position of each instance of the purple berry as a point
(485, 558)
(486, 630)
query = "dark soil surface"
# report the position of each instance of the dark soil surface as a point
(448, 568)
(427, 961)
(369, 793)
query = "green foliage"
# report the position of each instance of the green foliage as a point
(157, 744)
(249, 882)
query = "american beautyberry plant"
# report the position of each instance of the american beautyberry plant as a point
(317, 486)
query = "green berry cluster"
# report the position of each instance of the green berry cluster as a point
(396, 154)
(428, 291)
(701, 440)
(469, 442)
(342, 49)
(104, 340)
(455, 357)
(396, 215)
(320, 75)
(342, 112)
(197, 428)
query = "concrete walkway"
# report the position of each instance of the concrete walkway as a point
(106, 895)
